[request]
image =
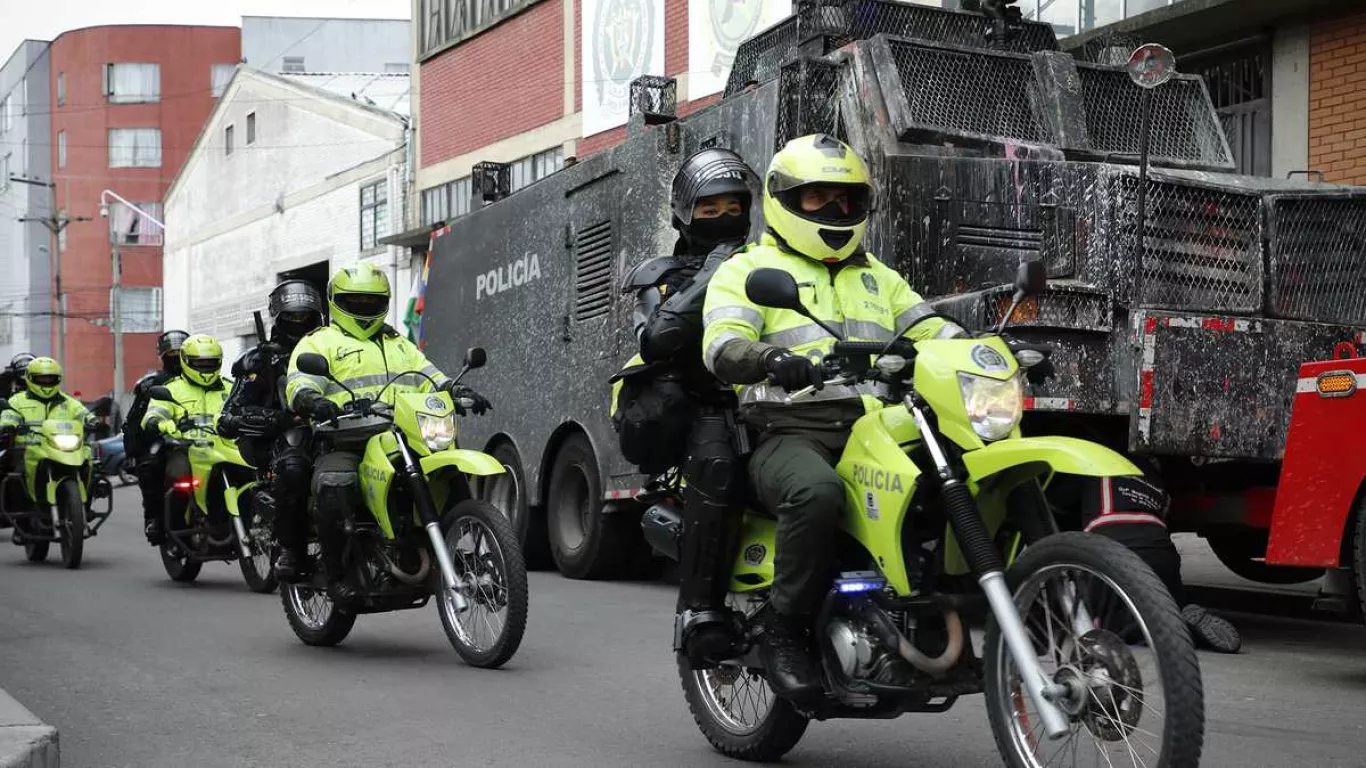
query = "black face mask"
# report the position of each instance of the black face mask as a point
(703, 235)
(171, 364)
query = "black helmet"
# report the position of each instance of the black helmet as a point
(169, 343)
(709, 172)
(296, 308)
(19, 363)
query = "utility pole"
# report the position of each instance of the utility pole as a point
(115, 291)
(55, 222)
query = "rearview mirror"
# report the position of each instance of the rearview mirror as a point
(160, 392)
(314, 364)
(475, 357)
(775, 288)
(1032, 278)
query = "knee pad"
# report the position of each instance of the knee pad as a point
(293, 467)
(712, 476)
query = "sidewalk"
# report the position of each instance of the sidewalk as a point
(25, 742)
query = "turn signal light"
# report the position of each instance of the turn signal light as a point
(1337, 384)
(188, 484)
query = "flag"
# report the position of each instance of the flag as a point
(416, 299)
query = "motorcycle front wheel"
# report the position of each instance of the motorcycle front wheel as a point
(488, 559)
(1104, 626)
(71, 510)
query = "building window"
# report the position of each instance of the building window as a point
(61, 233)
(4, 170)
(6, 331)
(448, 201)
(219, 77)
(251, 128)
(293, 64)
(141, 310)
(61, 88)
(536, 167)
(396, 69)
(227, 140)
(374, 215)
(6, 114)
(132, 83)
(128, 227)
(61, 149)
(134, 147)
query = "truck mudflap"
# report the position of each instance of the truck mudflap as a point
(1324, 465)
(1221, 386)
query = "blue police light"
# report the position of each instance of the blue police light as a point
(855, 585)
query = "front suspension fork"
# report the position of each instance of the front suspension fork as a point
(985, 559)
(426, 512)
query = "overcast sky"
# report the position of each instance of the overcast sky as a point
(45, 19)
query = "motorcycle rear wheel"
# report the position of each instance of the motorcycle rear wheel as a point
(315, 619)
(72, 511)
(1133, 673)
(488, 557)
(768, 730)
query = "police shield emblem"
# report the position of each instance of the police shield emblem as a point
(989, 359)
(869, 283)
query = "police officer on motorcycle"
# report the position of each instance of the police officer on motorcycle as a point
(12, 377)
(145, 449)
(256, 415)
(197, 393)
(42, 399)
(363, 354)
(671, 409)
(817, 197)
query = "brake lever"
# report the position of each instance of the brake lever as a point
(807, 391)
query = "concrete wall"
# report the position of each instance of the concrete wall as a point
(25, 246)
(235, 221)
(326, 45)
(1290, 100)
(1337, 98)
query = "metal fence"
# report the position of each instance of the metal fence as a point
(808, 101)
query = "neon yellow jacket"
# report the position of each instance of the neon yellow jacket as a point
(363, 365)
(26, 409)
(861, 296)
(192, 401)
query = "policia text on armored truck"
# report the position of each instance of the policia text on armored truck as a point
(985, 152)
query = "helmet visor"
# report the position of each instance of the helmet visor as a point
(204, 364)
(301, 318)
(362, 305)
(46, 380)
(838, 205)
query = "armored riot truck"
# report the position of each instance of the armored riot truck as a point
(987, 149)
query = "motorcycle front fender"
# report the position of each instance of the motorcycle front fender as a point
(467, 461)
(1052, 455)
(51, 491)
(232, 497)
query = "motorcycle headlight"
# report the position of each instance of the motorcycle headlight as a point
(994, 407)
(66, 442)
(438, 432)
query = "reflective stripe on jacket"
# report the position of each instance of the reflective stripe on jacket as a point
(363, 365)
(863, 298)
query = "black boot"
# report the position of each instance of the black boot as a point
(786, 654)
(291, 567)
(152, 530)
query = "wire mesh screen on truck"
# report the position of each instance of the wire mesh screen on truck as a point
(1203, 246)
(1185, 129)
(808, 101)
(1318, 257)
(965, 92)
(835, 23)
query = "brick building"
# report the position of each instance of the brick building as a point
(127, 105)
(1288, 79)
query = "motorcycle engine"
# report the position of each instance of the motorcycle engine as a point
(857, 649)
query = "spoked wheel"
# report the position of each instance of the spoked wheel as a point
(312, 615)
(177, 562)
(488, 559)
(737, 711)
(256, 570)
(1104, 627)
(72, 511)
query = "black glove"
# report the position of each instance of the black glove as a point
(792, 372)
(479, 404)
(317, 407)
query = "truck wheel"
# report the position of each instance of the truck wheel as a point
(508, 492)
(585, 543)
(1244, 553)
(1359, 560)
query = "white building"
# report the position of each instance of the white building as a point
(288, 44)
(292, 175)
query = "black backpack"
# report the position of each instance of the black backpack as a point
(653, 417)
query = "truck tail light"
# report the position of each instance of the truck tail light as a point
(1336, 384)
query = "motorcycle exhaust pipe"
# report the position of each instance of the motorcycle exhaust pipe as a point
(411, 579)
(936, 666)
(243, 543)
(662, 525)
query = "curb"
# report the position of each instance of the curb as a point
(25, 741)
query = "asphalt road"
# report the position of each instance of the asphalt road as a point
(137, 671)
